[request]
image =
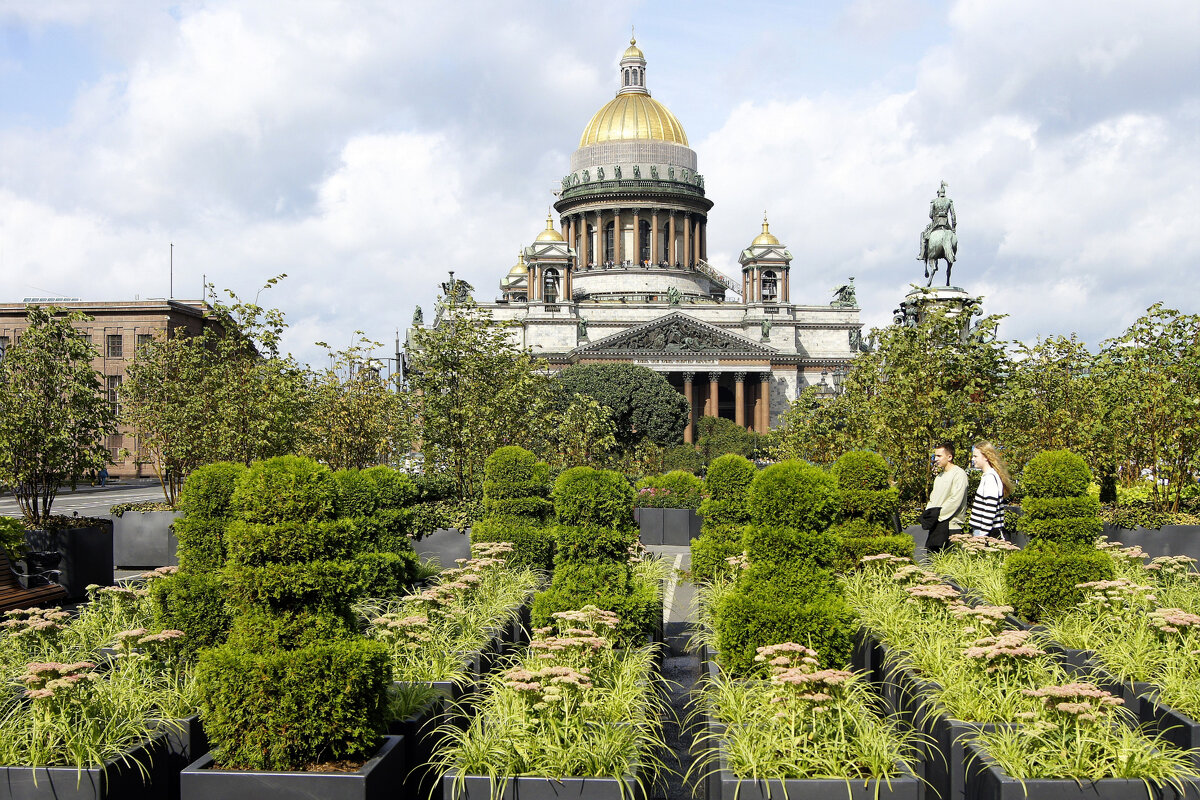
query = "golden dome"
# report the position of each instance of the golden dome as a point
(633, 116)
(633, 51)
(549, 235)
(766, 237)
(519, 269)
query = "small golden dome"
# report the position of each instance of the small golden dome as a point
(549, 235)
(519, 268)
(633, 116)
(633, 51)
(766, 237)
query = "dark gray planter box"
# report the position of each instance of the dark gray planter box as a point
(986, 781)
(375, 780)
(945, 767)
(87, 555)
(1170, 540)
(444, 545)
(421, 738)
(481, 787)
(1174, 726)
(183, 747)
(118, 779)
(144, 539)
(668, 526)
(650, 525)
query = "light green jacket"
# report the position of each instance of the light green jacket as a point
(950, 494)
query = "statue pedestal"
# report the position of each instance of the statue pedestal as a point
(919, 302)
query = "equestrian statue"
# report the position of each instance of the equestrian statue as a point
(939, 239)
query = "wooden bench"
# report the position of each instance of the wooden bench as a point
(14, 595)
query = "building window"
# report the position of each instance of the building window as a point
(550, 293)
(114, 393)
(114, 346)
(769, 286)
(610, 253)
(144, 339)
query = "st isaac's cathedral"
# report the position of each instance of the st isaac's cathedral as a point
(625, 276)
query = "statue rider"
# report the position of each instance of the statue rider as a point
(941, 217)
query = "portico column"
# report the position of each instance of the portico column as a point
(696, 241)
(765, 390)
(570, 234)
(618, 239)
(672, 250)
(637, 236)
(739, 399)
(566, 229)
(599, 255)
(704, 240)
(787, 273)
(688, 377)
(654, 257)
(713, 404)
(687, 241)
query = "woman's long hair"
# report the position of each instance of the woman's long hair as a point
(997, 463)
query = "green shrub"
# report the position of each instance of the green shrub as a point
(851, 549)
(1066, 531)
(208, 490)
(684, 457)
(514, 472)
(712, 549)
(393, 488)
(729, 478)
(200, 543)
(357, 494)
(793, 494)
(435, 486)
(580, 544)
(871, 505)
(1042, 578)
(1058, 507)
(386, 530)
(1056, 473)
(285, 488)
(12, 538)
(861, 470)
(677, 489)
(535, 508)
(717, 436)
(248, 544)
(195, 604)
(284, 709)
(723, 512)
(604, 585)
(787, 548)
(745, 621)
(119, 510)
(586, 496)
(533, 543)
(427, 517)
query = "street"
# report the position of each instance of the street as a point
(90, 501)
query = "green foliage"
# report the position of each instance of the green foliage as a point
(729, 478)
(434, 486)
(533, 543)
(1056, 507)
(283, 710)
(293, 542)
(200, 543)
(712, 549)
(208, 490)
(1065, 531)
(607, 586)
(793, 494)
(590, 544)
(285, 488)
(677, 489)
(516, 484)
(719, 436)
(749, 620)
(586, 496)
(54, 416)
(394, 488)
(854, 545)
(788, 548)
(583, 434)
(861, 470)
(642, 402)
(1056, 473)
(12, 538)
(356, 494)
(119, 510)
(684, 457)
(192, 602)
(1042, 578)
(872, 505)
(1144, 515)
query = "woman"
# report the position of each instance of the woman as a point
(987, 512)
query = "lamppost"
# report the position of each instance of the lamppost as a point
(839, 377)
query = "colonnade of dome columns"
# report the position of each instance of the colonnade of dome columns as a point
(686, 240)
(751, 405)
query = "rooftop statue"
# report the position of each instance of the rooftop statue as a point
(939, 240)
(418, 317)
(844, 296)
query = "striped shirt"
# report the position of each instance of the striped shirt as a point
(987, 512)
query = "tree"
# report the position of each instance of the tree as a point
(584, 436)
(54, 416)
(719, 436)
(354, 419)
(472, 390)
(644, 405)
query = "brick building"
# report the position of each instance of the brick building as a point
(118, 328)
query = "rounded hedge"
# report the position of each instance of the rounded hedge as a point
(514, 472)
(1059, 507)
(723, 512)
(195, 604)
(285, 488)
(788, 549)
(533, 544)
(597, 497)
(793, 494)
(357, 494)
(393, 488)
(534, 508)
(871, 505)
(250, 544)
(712, 549)
(729, 478)
(200, 543)
(1056, 473)
(861, 470)
(587, 544)
(208, 490)
(1067, 530)
(604, 585)
(747, 621)
(1042, 580)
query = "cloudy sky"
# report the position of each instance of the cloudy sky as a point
(366, 147)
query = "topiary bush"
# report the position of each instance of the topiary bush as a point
(1062, 523)
(597, 497)
(393, 488)
(604, 585)
(195, 604)
(208, 490)
(867, 507)
(285, 488)
(758, 617)
(533, 542)
(514, 473)
(676, 489)
(729, 478)
(200, 543)
(725, 512)
(515, 490)
(793, 494)
(861, 470)
(357, 495)
(712, 549)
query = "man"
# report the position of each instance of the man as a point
(950, 495)
(941, 217)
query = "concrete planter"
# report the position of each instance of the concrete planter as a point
(87, 555)
(987, 781)
(144, 539)
(116, 779)
(1176, 727)
(182, 748)
(376, 780)
(481, 787)
(1171, 540)
(667, 526)
(445, 545)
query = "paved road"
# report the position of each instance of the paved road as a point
(90, 501)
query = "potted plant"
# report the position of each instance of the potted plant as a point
(143, 535)
(666, 508)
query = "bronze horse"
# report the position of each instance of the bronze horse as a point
(943, 243)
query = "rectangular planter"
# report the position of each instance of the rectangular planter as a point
(144, 539)
(945, 768)
(183, 747)
(444, 545)
(117, 779)
(667, 526)
(1176, 727)
(1170, 540)
(986, 781)
(481, 787)
(650, 525)
(375, 780)
(419, 732)
(87, 555)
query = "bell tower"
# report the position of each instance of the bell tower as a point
(766, 268)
